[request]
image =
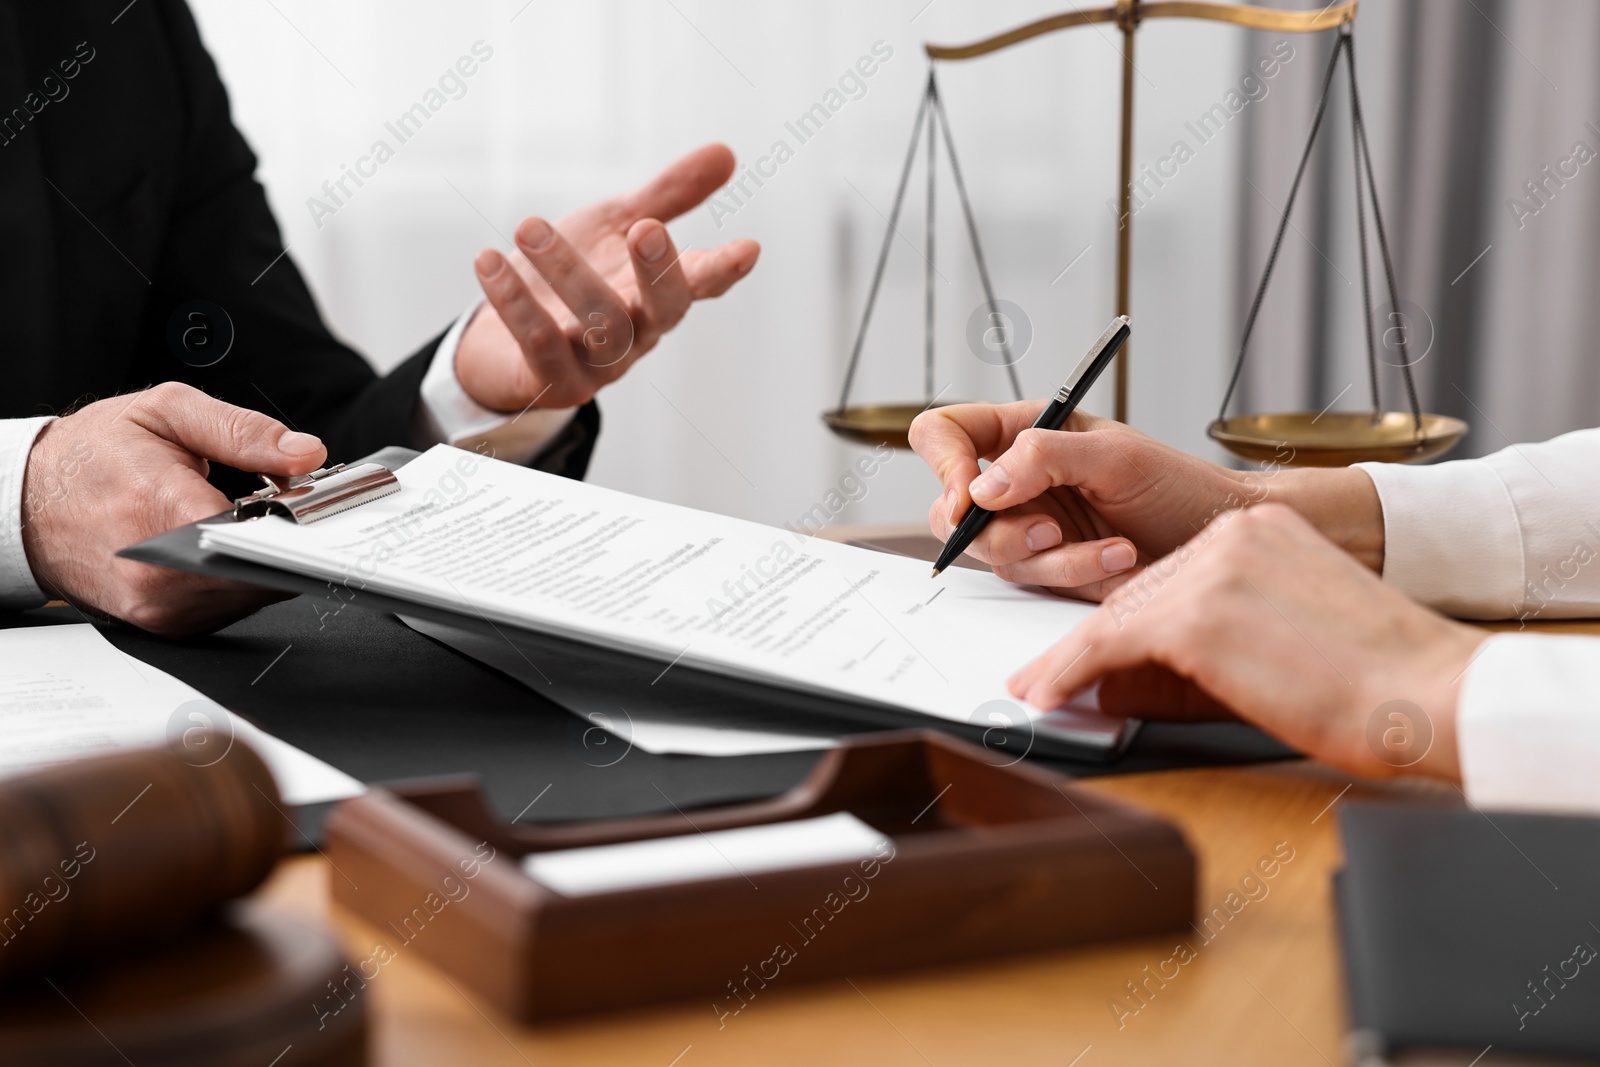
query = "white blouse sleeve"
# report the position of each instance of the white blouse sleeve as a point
(1528, 723)
(1512, 535)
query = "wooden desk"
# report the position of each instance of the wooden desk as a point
(1266, 989)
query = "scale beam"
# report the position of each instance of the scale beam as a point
(1127, 15)
(1255, 18)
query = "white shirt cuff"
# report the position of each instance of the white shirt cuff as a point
(1528, 724)
(1511, 534)
(1451, 537)
(447, 414)
(18, 590)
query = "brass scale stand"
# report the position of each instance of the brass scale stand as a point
(1315, 438)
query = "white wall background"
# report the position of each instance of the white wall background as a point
(581, 100)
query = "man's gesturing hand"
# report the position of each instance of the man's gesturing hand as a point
(577, 303)
(1262, 618)
(125, 469)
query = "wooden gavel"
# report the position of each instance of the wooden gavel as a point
(117, 851)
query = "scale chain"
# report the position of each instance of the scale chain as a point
(1362, 151)
(929, 295)
(932, 110)
(1361, 233)
(883, 254)
(972, 235)
(1283, 225)
(1360, 124)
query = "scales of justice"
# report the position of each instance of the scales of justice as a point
(1327, 438)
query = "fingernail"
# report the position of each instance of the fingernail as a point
(1042, 535)
(535, 234)
(991, 483)
(295, 443)
(1114, 559)
(489, 262)
(653, 245)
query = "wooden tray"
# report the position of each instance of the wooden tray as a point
(987, 860)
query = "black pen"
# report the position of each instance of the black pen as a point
(1053, 417)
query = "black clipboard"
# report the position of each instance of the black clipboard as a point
(590, 679)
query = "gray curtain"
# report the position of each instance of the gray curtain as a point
(1466, 103)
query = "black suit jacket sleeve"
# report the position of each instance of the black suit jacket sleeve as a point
(151, 169)
(319, 383)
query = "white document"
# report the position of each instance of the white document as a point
(519, 546)
(693, 857)
(65, 692)
(662, 731)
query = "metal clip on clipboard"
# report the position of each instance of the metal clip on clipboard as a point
(305, 498)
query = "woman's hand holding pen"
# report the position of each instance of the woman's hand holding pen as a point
(1087, 507)
(1082, 507)
(1225, 604)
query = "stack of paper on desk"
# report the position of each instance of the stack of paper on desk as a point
(516, 546)
(66, 692)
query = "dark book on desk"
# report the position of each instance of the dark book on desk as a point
(1464, 928)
